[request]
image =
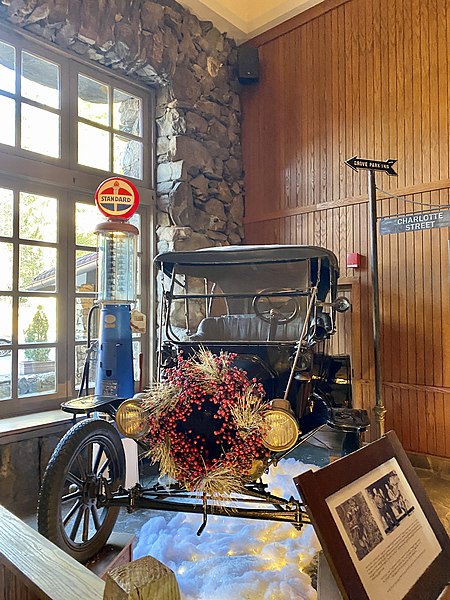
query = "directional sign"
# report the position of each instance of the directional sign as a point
(374, 165)
(415, 222)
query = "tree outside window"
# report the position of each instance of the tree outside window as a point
(37, 331)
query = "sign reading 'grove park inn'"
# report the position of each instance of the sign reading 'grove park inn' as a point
(415, 222)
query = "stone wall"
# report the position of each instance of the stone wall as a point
(192, 66)
(22, 466)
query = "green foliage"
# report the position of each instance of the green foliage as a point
(37, 331)
(31, 257)
(87, 239)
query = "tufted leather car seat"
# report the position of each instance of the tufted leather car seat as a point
(242, 328)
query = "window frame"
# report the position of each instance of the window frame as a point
(23, 42)
(23, 170)
(147, 163)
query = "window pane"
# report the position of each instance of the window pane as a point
(82, 308)
(7, 68)
(38, 217)
(5, 374)
(5, 322)
(127, 157)
(93, 100)
(136, 221)
(138, 276)
(127, 112)
(86, 218)
(40, 131)
(136, 352)
(37, 371)
(40, 80)
(93, 147)
(80, 358)
(86, 271)
(5, 353)
(6, 262)
(6, 202)
(37, 268)
(37, 320)
(7, 121)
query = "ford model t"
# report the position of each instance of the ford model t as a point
(244, 378)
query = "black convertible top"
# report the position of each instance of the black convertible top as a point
(241, 255)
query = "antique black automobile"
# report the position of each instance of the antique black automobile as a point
(274, 309)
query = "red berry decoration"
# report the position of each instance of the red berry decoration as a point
(206, 421)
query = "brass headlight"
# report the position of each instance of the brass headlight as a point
(282, 429)
(131, 419)
(256, 470)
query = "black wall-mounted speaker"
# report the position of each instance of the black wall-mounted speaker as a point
(248, 65)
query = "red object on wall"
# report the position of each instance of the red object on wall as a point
(353, 260)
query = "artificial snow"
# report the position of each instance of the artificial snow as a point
(236, 559)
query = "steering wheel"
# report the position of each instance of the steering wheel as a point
(275, 309)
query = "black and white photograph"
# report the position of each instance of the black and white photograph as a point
(390, 501)
(359, 525)
(381, 521)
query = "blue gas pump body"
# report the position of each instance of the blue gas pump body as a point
(115, 376)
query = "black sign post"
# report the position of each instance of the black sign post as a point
(387, 166)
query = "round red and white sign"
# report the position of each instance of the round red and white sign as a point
(117, 198)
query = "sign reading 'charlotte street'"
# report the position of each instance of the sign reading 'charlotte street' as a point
(415, 222)
(373, 165)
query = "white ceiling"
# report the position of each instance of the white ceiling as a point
(244, 19)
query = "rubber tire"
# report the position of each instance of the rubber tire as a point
(49, 506)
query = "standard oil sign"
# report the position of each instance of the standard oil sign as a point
(415, 222)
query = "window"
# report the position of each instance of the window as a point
(109, 128)
(64, 128)
(30, 90)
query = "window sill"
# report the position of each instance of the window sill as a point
(13, 429)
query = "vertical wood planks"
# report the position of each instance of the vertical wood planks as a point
(366, 77)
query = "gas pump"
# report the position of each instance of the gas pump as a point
(118, 200)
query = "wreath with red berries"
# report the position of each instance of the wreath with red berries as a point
(206, 421)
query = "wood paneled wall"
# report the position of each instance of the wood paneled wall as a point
(368, 78)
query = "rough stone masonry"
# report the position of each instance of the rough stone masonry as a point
(192, 67)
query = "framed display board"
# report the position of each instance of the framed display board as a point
(379, 532)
